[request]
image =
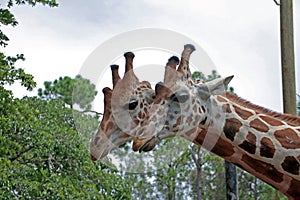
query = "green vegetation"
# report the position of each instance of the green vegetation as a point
(72, 91)
(44, 156)
(43, 153)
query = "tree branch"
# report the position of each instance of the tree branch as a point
(193, 151)
(91, 111)
(21, 153)
(276, 2)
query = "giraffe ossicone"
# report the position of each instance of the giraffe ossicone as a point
(124, 108)
(260, 141)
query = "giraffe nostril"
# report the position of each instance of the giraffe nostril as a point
(203, 109)
(203, 122)
(93, 158)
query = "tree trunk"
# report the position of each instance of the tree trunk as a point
(196, 156)
(231, 181)
(171, 184)
(255, 189)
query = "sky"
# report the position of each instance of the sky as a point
(240, 37)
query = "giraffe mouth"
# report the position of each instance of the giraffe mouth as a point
(149, 144)
(98, 154)
(144, 144)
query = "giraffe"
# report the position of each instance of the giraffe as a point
(258, 140)
(124, 107)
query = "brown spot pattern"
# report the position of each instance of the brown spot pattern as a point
(221, 99)
(288, 138)
(171, 117)
(263, 168)
(178, 121)
(272, 121)
(223, 148)
(154, 119)
(231, 127)
(226, 108)
(259, 125)
(193, 101)
(214, 103)
(218, 116)
(190, 132)
(244, 114)
(189, 119)
(160, 112)
(195, 108)
(291, 165)
(294, 189)
(267, 148)
(109, 126)
(136, 121)
(249, 144)
(140, 114)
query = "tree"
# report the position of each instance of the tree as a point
(43, 155)
(8, 72)
(42, 150)
(78, 91)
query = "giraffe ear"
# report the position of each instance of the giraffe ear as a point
(203, 91)
(219, 85)
(161, 89)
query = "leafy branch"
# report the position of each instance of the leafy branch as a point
(21, 153)
(91, 111)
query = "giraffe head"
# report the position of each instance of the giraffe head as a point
(124, 108)
(180, 106)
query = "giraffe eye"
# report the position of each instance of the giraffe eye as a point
(180, 98)
(132, 104)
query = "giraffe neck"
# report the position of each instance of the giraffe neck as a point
(264, 143)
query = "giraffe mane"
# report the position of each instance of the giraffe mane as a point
(288, 118)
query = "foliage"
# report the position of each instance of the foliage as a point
(8, 72)
(78, 91)
(51, 3)
(253, 188)
(43, 156)
(202, 77)
(43, 151)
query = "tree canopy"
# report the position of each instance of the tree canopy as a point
(78, 91)
(43, 152)
(44, 156)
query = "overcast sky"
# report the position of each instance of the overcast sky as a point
(241, 37)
